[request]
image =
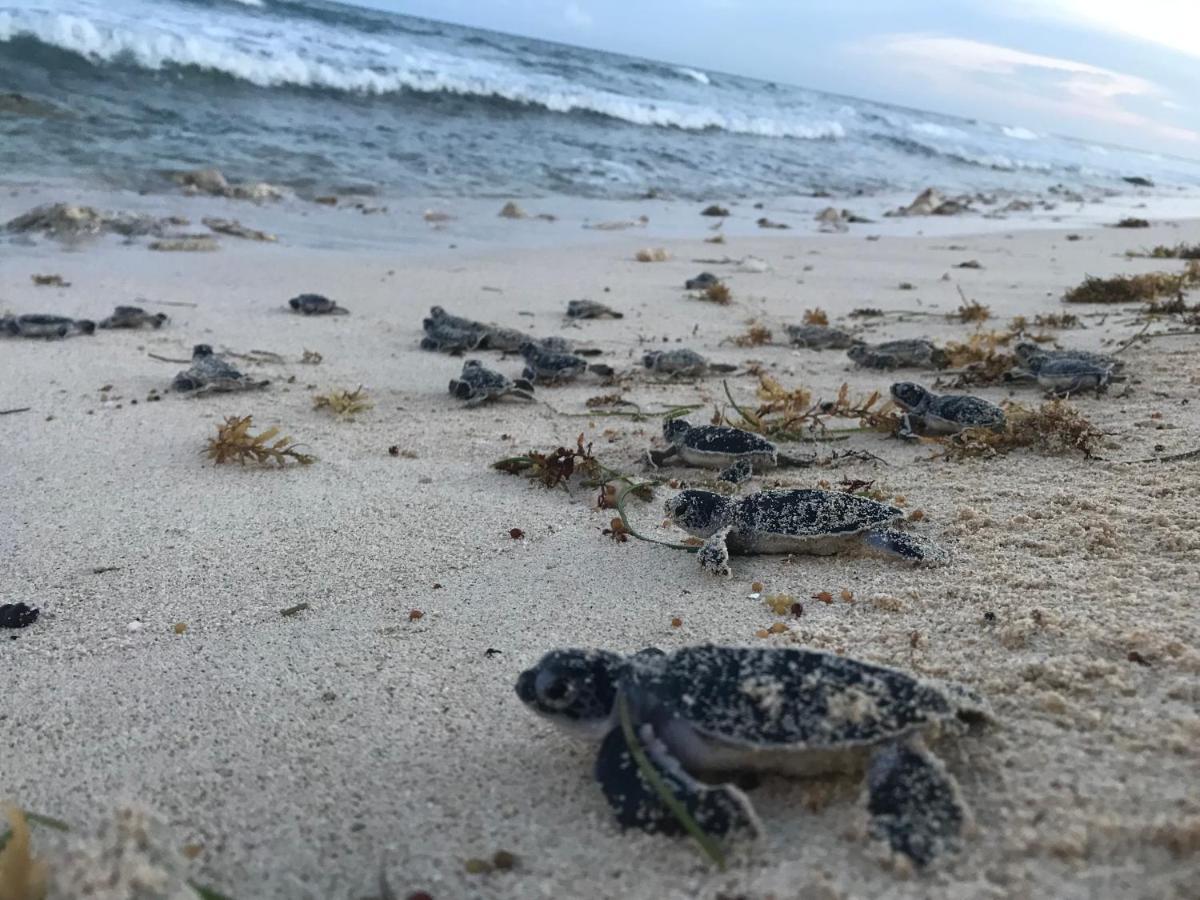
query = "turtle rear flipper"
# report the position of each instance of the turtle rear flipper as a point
(905, 546)
(738, 473)
(914, 802)
(717, 808)
(722, 367)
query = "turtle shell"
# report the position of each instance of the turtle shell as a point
(968, 411)
(810, 513)
(681, 361)
(723, 440)
(783, 697)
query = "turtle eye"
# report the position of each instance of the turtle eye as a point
(556, 692)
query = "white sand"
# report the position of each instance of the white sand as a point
(305, 753)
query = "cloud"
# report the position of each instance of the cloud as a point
(1168, 23)
(577, 16)
(1007, 77)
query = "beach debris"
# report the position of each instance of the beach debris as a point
(214, 183)
(915, 353)
(925, 412)
(42, 325)
(557, 466)
(133, 317)
(682, 363)
(50, 281)
(343, 402)
(211, 374)
(969, 264)
(793, 521)
(544, 366)
(620, 225)
(1131, 222)
(764, 222)
(15, 410)
(931, 202)
(1137, 181)
(326, 200)
(818, 337)
(186, 243)
(510, 210)
(1020, 324)
(715, 239)
(714, 210)
(590, 309)
(66, 220)
(701, 282)
(815, 316)
(316, 305)
(18, 615)
(714, 447)
(654, 254)
(970, 311)
(835, 220)
(716, 293)
(1054, 428)
(477, 385)
(290, 611)
(793, 415)
(436, 216)
(756, 335)
(311, 358)
(1179, 251)
(753, 264)
(234, 228)
(235, 443)
(672, 724)
(22, 876)
(1134, 288)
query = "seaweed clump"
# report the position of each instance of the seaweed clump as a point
(22, 877)
(343, 402)
(816, 316)
(980, 359)
(755, 336)
(717, 293)
(1054, 428)
(656, 254)
(793, 414)
(1179, 251)
(1131, 222)
(235, 443)
(971, 311)
(1134, 288)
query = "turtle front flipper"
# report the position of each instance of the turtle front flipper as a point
(914, 802)
(714, 554)
(905, 546)
(738, 473)
(717, 808)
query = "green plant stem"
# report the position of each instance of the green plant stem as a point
(709, 846)
(620, 507)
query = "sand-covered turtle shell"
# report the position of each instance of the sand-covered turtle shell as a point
(133, 317)
(789, 698)
(961, 410)
(818, 337)
(675, 362)
(914, 353)
(719, 440)
(809, 513)
(1034, 357)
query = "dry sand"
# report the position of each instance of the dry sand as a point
(302, 754)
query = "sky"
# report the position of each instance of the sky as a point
(1118, 71)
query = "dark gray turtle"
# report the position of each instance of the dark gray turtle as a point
(701, 282)
(928, 413)
(454, 334)
(682, 363)
(590, 309)
(316, 305)
(477, 385)
(544, 366)
(916, 353)
(818, 337)
(1032, 356)
(701, 714)
(715, 447)
(1064, 372)
(133, 317)
(210, 374)
(815, 522)
(40, 325)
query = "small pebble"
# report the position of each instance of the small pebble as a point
(134, 626)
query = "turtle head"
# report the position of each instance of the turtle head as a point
(857, 351)
(577, 689)
(908, 395)
(1026, 352)
(675, 429)
(87, 326)
(701, 513)
(295, 302)
(650, 358)
(528, 349)
(460, 389)
(200, 351)
(436, 312)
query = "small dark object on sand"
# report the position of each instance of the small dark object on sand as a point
(133, 317)
(316, 305)
(701, 282)
(590, 309)
(18, 615)
(477, 385)
(210, 374)
(1132, 222)
(38, 325)
(1138, 181)
(714, 210)
(764, 222)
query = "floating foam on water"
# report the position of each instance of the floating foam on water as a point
(693, 74)
(1021, 134)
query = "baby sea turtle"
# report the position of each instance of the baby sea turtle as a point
(1064, 372)
(590, 309)
(133, 317)
(454, 334)
(715, 447)
(701, 282)
(710, 711)
(818, 337)
(815, 522)
(477, 385)
(928, 413)
(544, 366)
(316, 305)
(682, 363)
(39, 325)
(916, 353)
(210, 374)
(1031, 355)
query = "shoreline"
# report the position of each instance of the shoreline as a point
(302, 754)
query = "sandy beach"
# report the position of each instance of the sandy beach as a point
(299, 756)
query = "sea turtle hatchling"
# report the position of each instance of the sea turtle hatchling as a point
(454, 334)
(701, 282)
(1031, 355)
(40, 325)
(1065, 372)
(133, 317)
(818, 337)
(682, 363)
(316, 305)
(210, 374)
(928, 413)
(715, 447)
(590, 309)
(915, 353)
(552, 366)
(477, 385)
(703, 712)
(803, 520)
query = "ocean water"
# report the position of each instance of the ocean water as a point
(325, 97)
